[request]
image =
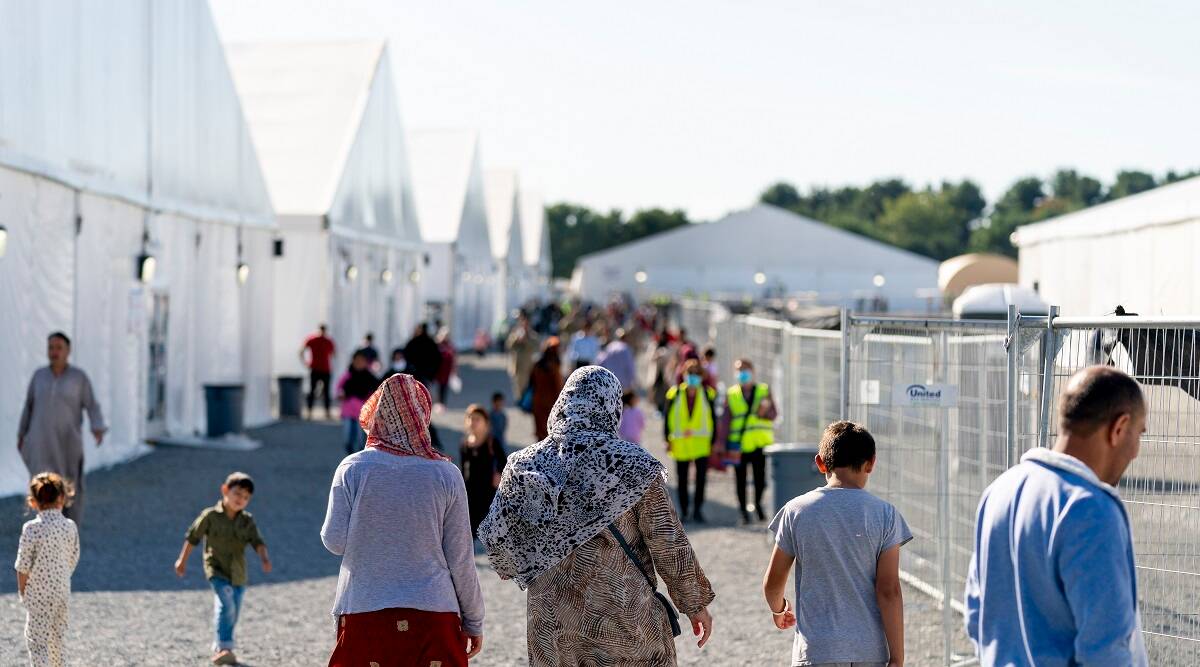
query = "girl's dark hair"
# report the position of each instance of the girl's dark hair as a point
(477, 409)
(627, 397)
(45, 489)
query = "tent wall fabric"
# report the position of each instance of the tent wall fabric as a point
(793, 254)
(121, 134)
(325, 118)
(504, 228)
(1138, 252)
(451, 208)
(535, 236)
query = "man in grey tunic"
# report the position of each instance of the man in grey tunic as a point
(50, 436)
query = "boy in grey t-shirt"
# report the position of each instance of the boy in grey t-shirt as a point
(845, 544)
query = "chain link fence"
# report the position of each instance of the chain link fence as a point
(952, 404)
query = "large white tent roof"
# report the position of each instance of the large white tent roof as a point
(304, 101)
(1169, 204)
(535, 235)
(443, 162)
(500, 188)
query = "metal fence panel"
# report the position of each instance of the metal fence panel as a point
(1161, 489)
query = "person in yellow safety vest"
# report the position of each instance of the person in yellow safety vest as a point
(747, 429)
(690, 428)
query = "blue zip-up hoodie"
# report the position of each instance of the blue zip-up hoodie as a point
(1052, 577)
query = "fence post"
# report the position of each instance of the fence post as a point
(1049, 352)
(844, 387)
(1013, 352)
(943, 502)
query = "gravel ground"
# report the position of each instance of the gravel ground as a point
(129, 608)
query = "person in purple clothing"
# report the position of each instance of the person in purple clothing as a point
(353, 389)
(633, 422)
(617, 357)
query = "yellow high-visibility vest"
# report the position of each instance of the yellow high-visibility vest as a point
(690, 428)
(758, 432)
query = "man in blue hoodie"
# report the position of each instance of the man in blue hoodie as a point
(1051, 581)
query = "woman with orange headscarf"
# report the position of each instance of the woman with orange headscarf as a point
(547, 381)
(407, 593)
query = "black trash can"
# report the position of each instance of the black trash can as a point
(291, 392)
(793, 472)
(225, 406)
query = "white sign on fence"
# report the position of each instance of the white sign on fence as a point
(926, 395)
(868, 392)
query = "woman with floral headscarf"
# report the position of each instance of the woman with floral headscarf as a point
(407, 588)
(567, 511)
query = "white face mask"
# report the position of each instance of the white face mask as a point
(399, 366)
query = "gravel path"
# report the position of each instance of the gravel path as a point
(129, 608)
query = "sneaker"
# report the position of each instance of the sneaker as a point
(225, 657)
(758, 511)
(698, 518)
(745, 518)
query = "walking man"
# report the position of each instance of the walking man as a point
(50, 435)
(748, 424)
(319, 348)
(1052, 579)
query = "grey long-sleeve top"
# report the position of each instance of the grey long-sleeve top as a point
(400, 525)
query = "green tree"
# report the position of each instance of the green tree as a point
(1131, 182)
(1070, 186)
(577, 230)
(1014, 208)
(783, 195)
(924, 222)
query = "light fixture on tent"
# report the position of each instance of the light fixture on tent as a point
(385, 276)
(243, 269)
(878, 280)
(352, 273)
(3, 240)
(760, 278)
(640, 276)
(414, 276)
(146, 264)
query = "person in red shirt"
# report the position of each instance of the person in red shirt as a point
(317, 354)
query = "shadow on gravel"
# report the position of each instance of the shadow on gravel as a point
(137, 513)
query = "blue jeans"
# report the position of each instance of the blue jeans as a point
(227, 605)
(353, 435)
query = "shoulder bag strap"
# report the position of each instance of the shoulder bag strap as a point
(672, 615)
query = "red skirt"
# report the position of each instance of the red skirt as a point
(400, 638)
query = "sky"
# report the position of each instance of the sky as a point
(700, 105)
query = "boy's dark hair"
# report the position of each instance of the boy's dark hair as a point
(45, 489)
(627, 397)
(846, 445)
(59, 335)
(497, 396)
(709, 351)
(239, 480)
(744, 363)
(1095, 397)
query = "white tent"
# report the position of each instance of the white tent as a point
(535, 234)
(121, 135)
(1139, 252)
(326, 122)
(504, 228)
(760, 251)
(460, 283)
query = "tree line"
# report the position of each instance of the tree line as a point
(938, 222)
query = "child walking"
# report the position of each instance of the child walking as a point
(633, 422)
(46, 557)
(499, 419)
(226, 529)
(482, 461)
(354, 387)
(849, 606)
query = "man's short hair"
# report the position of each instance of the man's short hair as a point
(845, 444)
(1095, 397)
(239, 480)
(743, 362)
(59, 335)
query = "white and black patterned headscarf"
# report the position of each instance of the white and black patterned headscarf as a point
(563, 491)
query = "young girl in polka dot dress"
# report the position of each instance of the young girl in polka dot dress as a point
(46, 557)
